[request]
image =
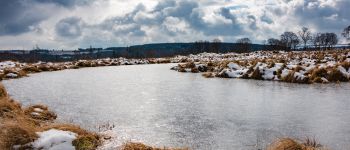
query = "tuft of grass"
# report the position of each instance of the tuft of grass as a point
(346, 65)
(291, 144)
(86, 142)
(257, 75)
(140, 146)
(3, 92)
(285, 144)
(194, 70)
(318, 72)
(31, 69)
(335, 76)
(15, 134)
(208, 75)
(42, 115)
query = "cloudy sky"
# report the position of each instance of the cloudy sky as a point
(70, 24)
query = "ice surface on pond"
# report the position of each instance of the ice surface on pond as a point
(161, 107)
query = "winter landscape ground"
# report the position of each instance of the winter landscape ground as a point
(174, 75)
(35, 127)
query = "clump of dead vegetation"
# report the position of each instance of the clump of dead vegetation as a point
(19, 126)
(140, 146)
(294, 67)
(291, 144)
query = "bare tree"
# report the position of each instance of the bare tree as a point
(215, 45)
(305, 35)
(317, 41)
(332, 40)
(274, 44)
(289, 40)
(346, 33)
(325, 40)
(244, 45)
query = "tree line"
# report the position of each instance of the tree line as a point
(307, 40)
(303, 39)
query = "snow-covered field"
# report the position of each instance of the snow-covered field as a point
(11, 69)
(295, 67)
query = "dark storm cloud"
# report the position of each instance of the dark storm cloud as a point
(69, 27)
(324, 17)
(66, 3)
(16, 17)
(20, 16)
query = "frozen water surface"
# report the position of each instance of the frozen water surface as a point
(157, 106)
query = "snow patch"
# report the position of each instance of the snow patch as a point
(11, 75)
(234, 66)
(54, 140)
(38, 110)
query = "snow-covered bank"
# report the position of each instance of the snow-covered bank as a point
(294, 67)
(10, 69)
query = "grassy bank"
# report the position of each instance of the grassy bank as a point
(19, 125)
(293, 67)
(11, 69)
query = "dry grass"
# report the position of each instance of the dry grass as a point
(31, 69)
(40, 112)
(9, 109)
(86, 142)
(208, 75)
(318, 72)
(15, 134)
(140, 146)
(335, 76)
(292, 79)
(291, 144)
(194, 70)
(257, 75)
(3, 92)
(18, 126)
(346, 65)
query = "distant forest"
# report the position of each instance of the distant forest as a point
(137, 51)
(302, 40)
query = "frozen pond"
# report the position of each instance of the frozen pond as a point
(157, 106)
